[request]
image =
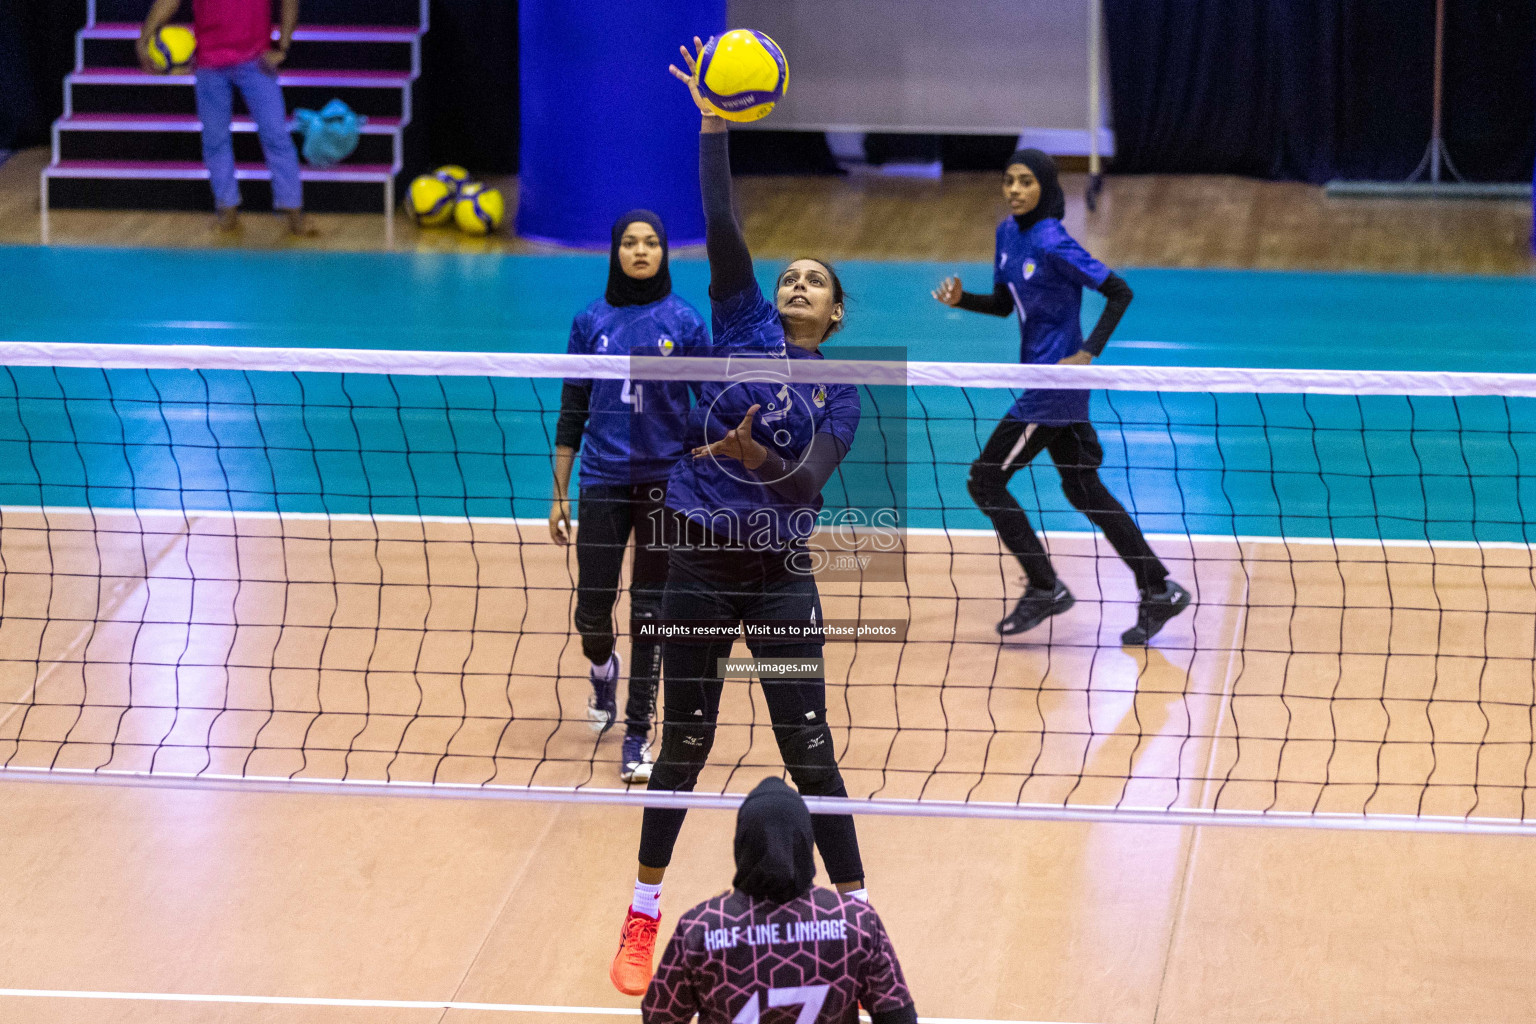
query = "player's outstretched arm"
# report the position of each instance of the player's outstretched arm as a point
(999, 303)
(730, 262)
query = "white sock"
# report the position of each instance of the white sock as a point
(862, 895)
(647, 899)
(608, 670)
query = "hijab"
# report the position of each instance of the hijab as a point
(624, 290)
(1053, 203)
(773, 844)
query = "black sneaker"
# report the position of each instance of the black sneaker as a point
(1154, 612)
(1037, 605)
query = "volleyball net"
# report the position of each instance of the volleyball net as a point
(327, 568)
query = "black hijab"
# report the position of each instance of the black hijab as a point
(773, 844)
(1053, 203)
(624, 290)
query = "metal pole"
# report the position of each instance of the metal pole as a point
(389, 212)
(1435, 143)
(43, 227)
(1095, 175)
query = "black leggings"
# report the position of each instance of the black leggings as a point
(732, 586)
(607, 514)
(1077, 453)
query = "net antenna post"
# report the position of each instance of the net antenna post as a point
(1095, 102)
(1436, 155)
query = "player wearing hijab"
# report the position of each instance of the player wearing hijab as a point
(634, 435)
(1040, 272)
(746, 499)
(774, 940)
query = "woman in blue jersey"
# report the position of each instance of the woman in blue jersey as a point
(1040, 273)
(634, 435)
(745, 500)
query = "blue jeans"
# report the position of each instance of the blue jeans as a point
(215, 106)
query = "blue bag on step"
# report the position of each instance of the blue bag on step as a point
(330, 134)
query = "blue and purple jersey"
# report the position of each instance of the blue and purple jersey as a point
(1046, 271)
(722, 494)
(816, 958)
(634, 432)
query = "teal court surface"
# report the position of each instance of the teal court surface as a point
(1230, 464)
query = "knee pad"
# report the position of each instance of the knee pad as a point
(596, 632)
(1084, 490)
(684, 750)
(808, 754)
(985, 483)
(590, 623)
(644, 606)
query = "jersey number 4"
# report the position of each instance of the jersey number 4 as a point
(808, 997)
(632, 395)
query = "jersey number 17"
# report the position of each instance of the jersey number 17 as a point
(808, 997)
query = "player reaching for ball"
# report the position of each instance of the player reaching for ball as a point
(634, 434)
(745, 499)
(1040, 272)
(774, 940)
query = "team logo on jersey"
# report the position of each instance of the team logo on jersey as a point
(819, 396)
(1029, 269)
(602, 343)
(666, 346)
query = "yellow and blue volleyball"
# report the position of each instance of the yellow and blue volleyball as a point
(430, 199)
(742, 74)
(480, 210)
(452, 175)
(172, 48)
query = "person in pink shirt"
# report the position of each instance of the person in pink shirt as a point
(234, 51)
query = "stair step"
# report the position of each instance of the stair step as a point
(302, 34)
(192, 170)
(187, 123)
(322, 79)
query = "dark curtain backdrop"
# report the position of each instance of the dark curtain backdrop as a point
(469, 99)
(37, 49)
(1318, 89)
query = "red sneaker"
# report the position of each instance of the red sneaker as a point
(631, 968)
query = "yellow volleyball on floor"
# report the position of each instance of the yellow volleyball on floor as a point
(480, 210)
(172, 48)
(452, 175)
(429, 200)
(742, 74)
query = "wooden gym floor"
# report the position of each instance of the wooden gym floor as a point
(1144, 221)
(307, 896)
(310, 898)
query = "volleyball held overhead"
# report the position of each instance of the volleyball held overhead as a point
(742, 74)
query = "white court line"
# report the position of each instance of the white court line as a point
(395, 1004)
(916, 531)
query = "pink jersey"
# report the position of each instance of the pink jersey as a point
(231, 32)
(737, 960)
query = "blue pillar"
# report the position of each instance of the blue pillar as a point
(605, 128)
